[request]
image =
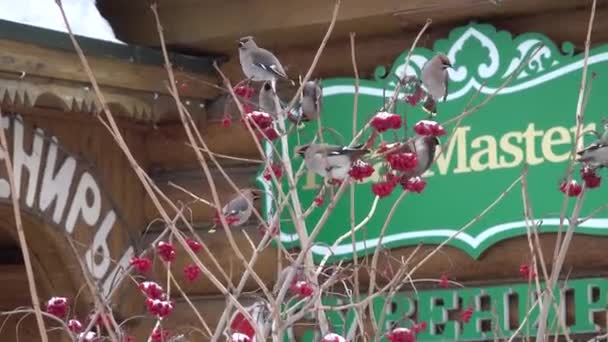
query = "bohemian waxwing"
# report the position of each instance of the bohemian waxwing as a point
(331, 161)
(240, 207)
(312, 101)
(435, 80)
(259, 64)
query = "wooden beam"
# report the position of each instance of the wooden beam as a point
(296, 22)
(26, 59)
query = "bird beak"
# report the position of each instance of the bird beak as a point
(300, 150)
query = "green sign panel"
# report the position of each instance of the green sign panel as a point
(497, 312)
(531, 120)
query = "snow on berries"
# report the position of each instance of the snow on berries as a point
(244, 91)
(571, 189)
(402, 161)
(57, 306)
(166, 251)
(361, 170)
(383, 188)
(74, 325)
(590, 177)
(400, 335)
(384, 121)
(414, 184)
(261, 119)
(152, 290)
(302, 289)
(429, 128)
(160, 308)
(332, 337)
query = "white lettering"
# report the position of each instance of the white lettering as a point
(90, 212)
(31, 162)
(100, 246)
(56, 186)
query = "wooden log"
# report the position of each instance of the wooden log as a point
(18, 58)
(295, 23)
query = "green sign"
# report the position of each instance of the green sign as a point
(531, 120)
(497, 312)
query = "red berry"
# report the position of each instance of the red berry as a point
(270, 133)
(416, 96)
(361, 170)
(241, 327)
(384, 121)
(247, 108)
(166, 251)
(444, 282)
(592, 180)
(226, 122)
(194, 245)
(401, 335)
(383, 188)
(319, 201)
(244, 91)
(335, 181)
(333, 338)
(272, 229)
(415, 184)
(152, 290)
(160, 335)
(192, 272)
(302, 289)
(160, 308)
(402, 161)
(75, 326)
(420, 327)
(276, 169)
(466, 315)
(429, 127)
(142, 265)
(572, 190)
(261, 119)
(526, 272)
(57, 306)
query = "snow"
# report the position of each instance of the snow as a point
(83, 16)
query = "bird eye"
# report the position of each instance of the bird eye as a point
(241, 44)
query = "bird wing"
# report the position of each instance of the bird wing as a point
(445, 84)
(589, 148)
(236, 206)
(318, 99)
(270, 63)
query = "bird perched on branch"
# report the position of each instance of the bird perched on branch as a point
(596, 154)
(435, 80)
(312, 100)
(239, 209)
(331, 161)
(425, 148)
(269, 101)
(259, 64)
